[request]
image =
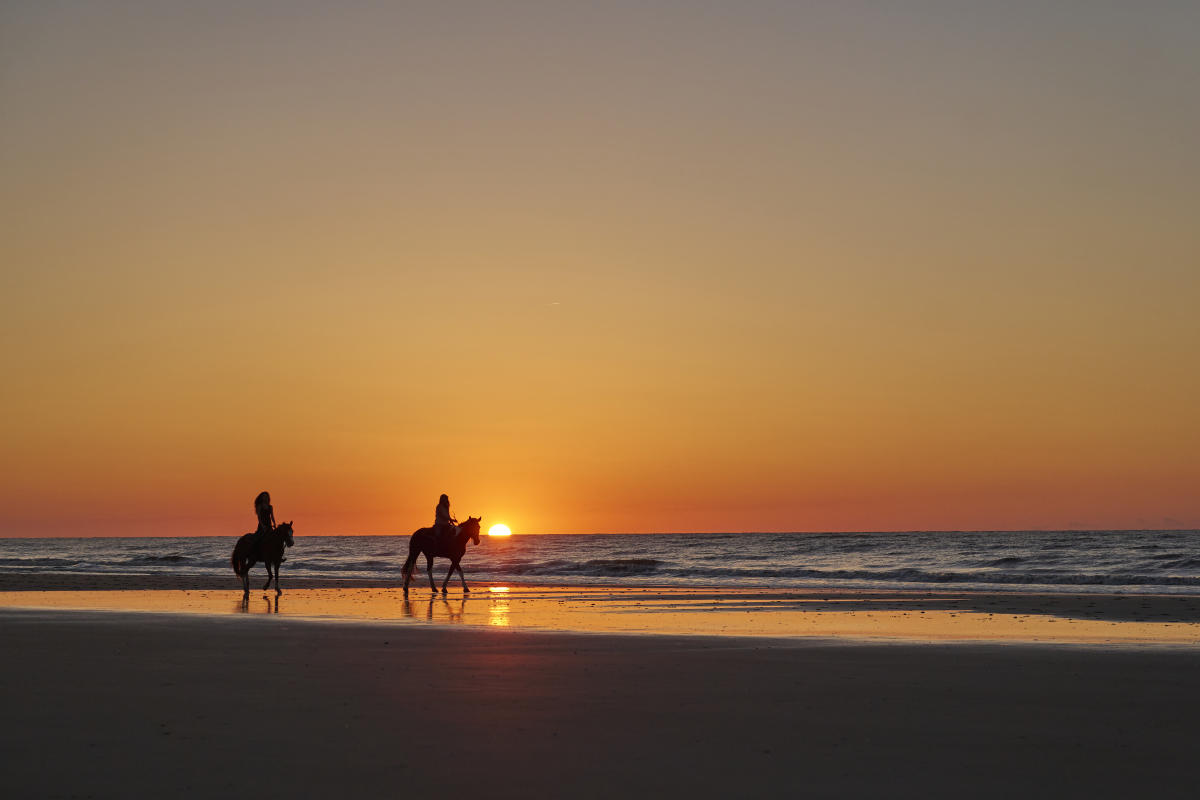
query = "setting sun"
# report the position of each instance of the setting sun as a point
(499, 530)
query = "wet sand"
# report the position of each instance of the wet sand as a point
(119, 704)
(219, 594)
(1111, 620)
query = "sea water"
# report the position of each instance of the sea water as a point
(1124, 561)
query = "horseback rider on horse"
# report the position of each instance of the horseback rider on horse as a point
(266, 518)
(443, 523)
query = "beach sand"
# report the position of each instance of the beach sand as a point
(215, 703)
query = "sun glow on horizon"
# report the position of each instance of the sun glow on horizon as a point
(499, 530)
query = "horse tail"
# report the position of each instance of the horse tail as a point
(413, 550)
(237, 560)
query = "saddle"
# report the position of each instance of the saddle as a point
(444, 531)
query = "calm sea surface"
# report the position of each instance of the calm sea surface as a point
(1125, 561)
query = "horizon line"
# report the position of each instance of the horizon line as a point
(670, 533)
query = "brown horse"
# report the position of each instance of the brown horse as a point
(451, 546)
(270, 552)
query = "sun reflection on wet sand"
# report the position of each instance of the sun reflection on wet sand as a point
(498, 612)
(608, 610)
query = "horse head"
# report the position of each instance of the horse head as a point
(471, 528)
(285, 529)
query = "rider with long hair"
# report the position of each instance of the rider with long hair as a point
(266, 517)
(442, 521)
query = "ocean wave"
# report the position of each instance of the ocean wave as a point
(614, 567)
(172, 558)
(593, 567)
(37, 562)
(1179, 561)
(1131, 561)
(620, 565)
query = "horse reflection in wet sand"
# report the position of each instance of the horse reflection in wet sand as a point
(452, 546)
(270, 552)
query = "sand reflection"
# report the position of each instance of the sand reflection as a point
(454, 610)
(498, 609)
(661, 611)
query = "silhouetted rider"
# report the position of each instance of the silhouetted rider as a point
(266, 519)
(442, 521)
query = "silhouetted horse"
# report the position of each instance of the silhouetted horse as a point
(451, 546)
(270, 552)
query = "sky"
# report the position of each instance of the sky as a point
(599, 267)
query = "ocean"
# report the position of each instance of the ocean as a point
(1101, 561)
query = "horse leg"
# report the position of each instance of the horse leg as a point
(267, 585)
(449, 572)
(246, 585)
(429, 567)
(278, 591)
(462, 577)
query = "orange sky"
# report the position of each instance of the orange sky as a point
(628, 268)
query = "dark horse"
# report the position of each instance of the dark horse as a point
(270, 552)
(451, 546)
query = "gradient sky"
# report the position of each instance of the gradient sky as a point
(619, 266)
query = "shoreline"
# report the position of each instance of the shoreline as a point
(1100, 620)
(1185, 604)
(1110, 605)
